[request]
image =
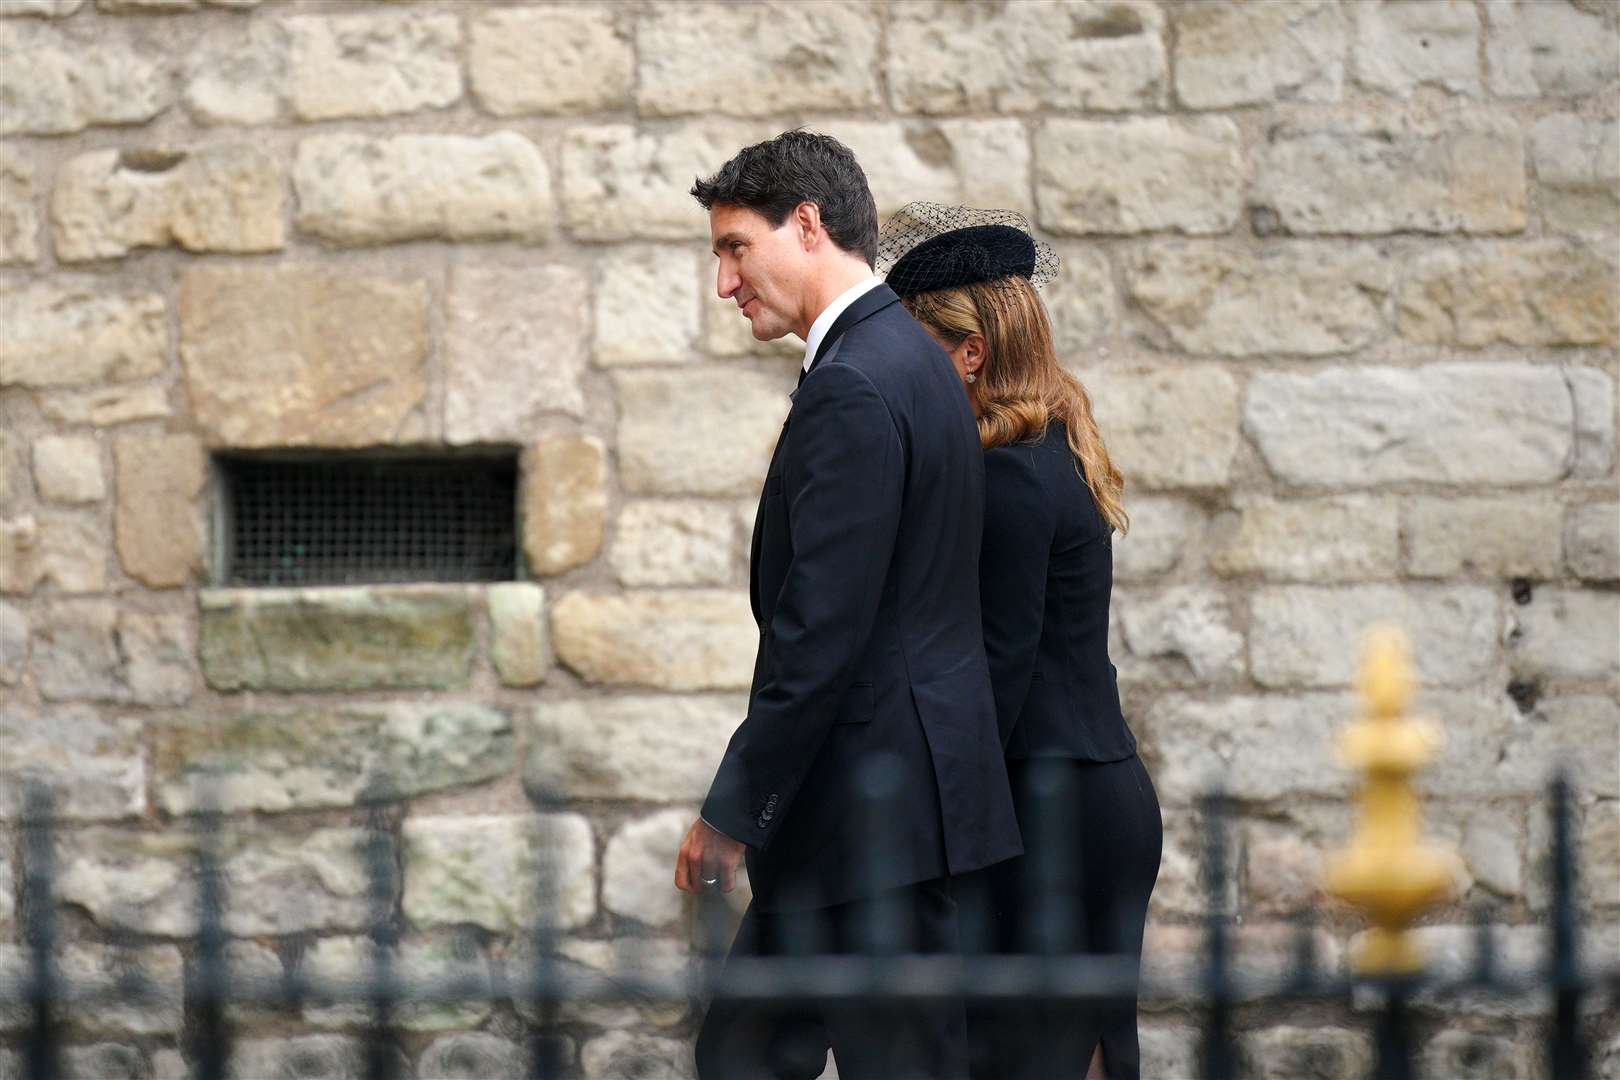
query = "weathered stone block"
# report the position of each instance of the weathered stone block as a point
(378, 64)
(1312, 299)
(13, 644)
(308, 1057)
(276, 883)
(622, 1053)
(76, 652)
(1488, 735)
(1350, 538)
(339, 358)
(514, 349)
(1578, 165)
(353, 189)
(1443, 423)
(104, 1061)
(333, 756)
(159, 654)
(803, 56)
(1592, 390)
(1111, 55)
(1566, 633)
(1467, 1053)
(1169, 428)
(668, 423)
(1179, 889)
(636, 868)
(1546, 293)
(441, 957)
(473, 1055)
(19, 221)
(1283, 871)
(617, 962)
(1080, 302)
(564, 502)
(44, 9)
(674, 543)
(1186, 634)
(229, 197)
(1302, 635)
(1286, 1052)
(976, 162)
(71, 331)
(518, 644)
(1245, 54)
(499, 872)
(61, 83)
(106, 406)
(1173, 955)
(336, 638)
(1237, 740)
(672, 640)
(1169, 1049)
(1164, 529)
(1592, 541)
(157, 1015)
(551, 59)
(1491, 537)
(1371, 176)
(646, 305)
(160, 480)
(13, 471)
(1148, 174)
(616, 180)
(1401, 47)
(632, 747)
(95, 769)
(1548, 49)
(67, 550)
(67, 468)
(238, 74)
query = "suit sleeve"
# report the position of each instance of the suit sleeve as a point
(1019, 524)
(843, 475)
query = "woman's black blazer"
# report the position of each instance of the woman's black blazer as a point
(1045, 572)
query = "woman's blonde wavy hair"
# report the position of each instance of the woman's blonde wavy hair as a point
(1022, 387)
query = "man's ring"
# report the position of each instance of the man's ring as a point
(710, 880)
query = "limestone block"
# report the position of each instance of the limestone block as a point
(1443, 423)
(159, 1015)
(1555, 50)
(472, 1055)
(1163, 529)
(699, 639)
(671, 425)
(1596, 833)
(622, 1053)
(551, 59)
(378, 64)
(1401, 46)
(336, 638)
(1592, 390)
(636, 868)
(1179, 889)
(1577, 162)
(1286, 1052)
(1283, 871)
(1487, 735)
(333, 756)
(514, 349)
(354, 189)
(1148, 174)
(616, 961)
(1304, 635)
(1368, 176)
(1111, 55)
(1080, 301)
(616, 180)
(1467, 1053)
(499, 872)
(67, 469)
(1184, 634)
(353, 958)
(1259, 748)
(238, 74)
(308, 1057)
(1347, 538)
(646, 748)
(65, 549)
(229, 197)
(95, 768)
(674, 543)
(1248, 54)
(1490, 537)
(1566, 634)
(1168, 1049)
(801, 56)
(19, 221)
(105, 1061)
(72, 330)
(1592, 541)
(646, 304)
(339, 357)
(518, 644)
(159, 653)
(564, 502)
(45, 9)
(971, 162)
(76, 651)
(1311, 299)
(13, 471)
(1543, 293)
(1173, 955)
(106, 406)
(13, 643)
(276, 882)
(1169, 428)
(160, 480)
(61, 83)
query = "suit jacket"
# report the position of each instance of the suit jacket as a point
(871, 667)
(1045, 574)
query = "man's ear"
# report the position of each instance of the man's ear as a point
(807, 220)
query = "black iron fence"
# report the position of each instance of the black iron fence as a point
(1218, 991)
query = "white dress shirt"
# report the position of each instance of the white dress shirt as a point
(824, 321)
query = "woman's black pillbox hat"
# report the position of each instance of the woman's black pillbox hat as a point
(928, 246)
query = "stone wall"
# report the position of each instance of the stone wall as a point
(1341, 277)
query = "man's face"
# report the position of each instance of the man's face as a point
(759, 267)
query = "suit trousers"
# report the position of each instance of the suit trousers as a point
(745, 1040)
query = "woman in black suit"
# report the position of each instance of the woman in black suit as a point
(1086, 807)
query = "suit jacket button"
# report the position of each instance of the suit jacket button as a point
(763, 821)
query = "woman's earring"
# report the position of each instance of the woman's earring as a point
(971, 377)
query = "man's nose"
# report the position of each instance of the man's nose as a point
(726, 282)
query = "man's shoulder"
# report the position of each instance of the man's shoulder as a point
(875, 344)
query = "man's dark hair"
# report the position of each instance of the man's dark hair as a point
(773, 177)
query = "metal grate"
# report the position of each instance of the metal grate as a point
(356, 520)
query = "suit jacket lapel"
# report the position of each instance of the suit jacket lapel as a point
(865, 306)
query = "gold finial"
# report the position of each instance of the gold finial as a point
(1387, 871)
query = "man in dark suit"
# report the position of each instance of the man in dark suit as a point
(868, 770)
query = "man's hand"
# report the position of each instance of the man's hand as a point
(708, 857)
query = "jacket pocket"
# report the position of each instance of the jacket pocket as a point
(859, 704)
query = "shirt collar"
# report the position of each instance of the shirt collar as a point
(824, 321)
